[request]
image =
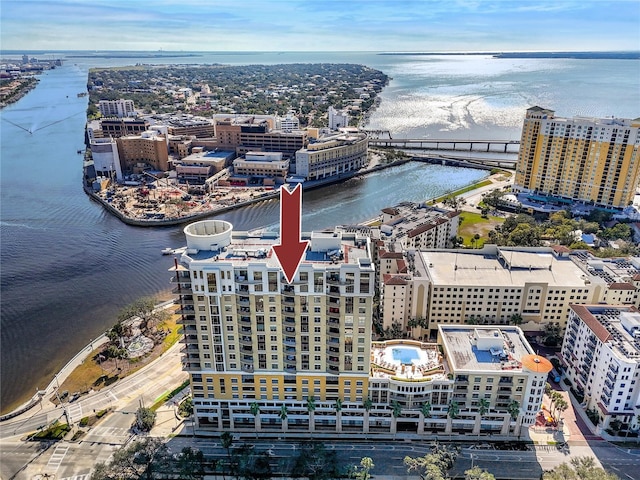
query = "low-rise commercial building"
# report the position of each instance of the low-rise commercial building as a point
(119, 127)
(601, 351)
(106, 160)
(196, 168)
(262, 165)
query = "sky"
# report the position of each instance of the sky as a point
(320, 25)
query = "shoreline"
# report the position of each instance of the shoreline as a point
(167, 222)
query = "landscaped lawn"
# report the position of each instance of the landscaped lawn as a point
(473, 223)
(90, 375)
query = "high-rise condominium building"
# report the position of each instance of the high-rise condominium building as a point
(116, 108)
(250, 336)
(595, 160)
(271, 356)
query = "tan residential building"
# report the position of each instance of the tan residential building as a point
(487, 286)
(332, 156)
(138, 152)
(594, 160)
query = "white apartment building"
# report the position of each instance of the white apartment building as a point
(116, 108)
(601, 351)
(338, 119)
(288, 123)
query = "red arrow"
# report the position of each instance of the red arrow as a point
(291, 249)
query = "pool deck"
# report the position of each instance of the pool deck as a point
(426, 362)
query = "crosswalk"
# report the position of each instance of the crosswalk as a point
(113, 434)
(56, 457)
(78, 477)
(74, 411)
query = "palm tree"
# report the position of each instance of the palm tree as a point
(425, 412)
(396, 411)
(284, 411)
(367, 404)
(338, 408)
(453, 410)
(514, 409)
(483, 407)
(226, 440)
(255, 411)
(515, 319)
(311, 408)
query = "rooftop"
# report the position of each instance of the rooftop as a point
(484, 348)
(215, 240)
(617, 326)
(498, 267)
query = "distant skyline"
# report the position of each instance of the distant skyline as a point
(322, 25)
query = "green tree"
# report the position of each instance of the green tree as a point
(315, 462)
(483, 408)
(366, 465)
(580, 468)
(476, 473)
(433, 465)
(143, 308)
(190, 463)
(454, 202)
(515, 319)
(226, 441)
(139, 460)
(145, 419)
(311, 409)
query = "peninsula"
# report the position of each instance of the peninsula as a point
(168, 144)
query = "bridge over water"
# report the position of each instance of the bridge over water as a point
(499, 146)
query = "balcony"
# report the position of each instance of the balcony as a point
(244, 319)
(246, 330)
(246, 368)
(288, 367)
(334, 280)
(611, 377)
(244, 340)
(187, 320)
(333, 360)
(184, 310)
(248, 359)
(290, 330)
(288, 289)
(189, 348)
(289, 300)
(608, 384)
(191, 366)
(290, 341)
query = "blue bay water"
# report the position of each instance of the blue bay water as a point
(68, 266)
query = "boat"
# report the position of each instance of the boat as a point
(82, 94)
(167, 251)
(79, 152)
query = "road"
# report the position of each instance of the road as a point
(23, 460)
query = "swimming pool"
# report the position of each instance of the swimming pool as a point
(405, 355)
